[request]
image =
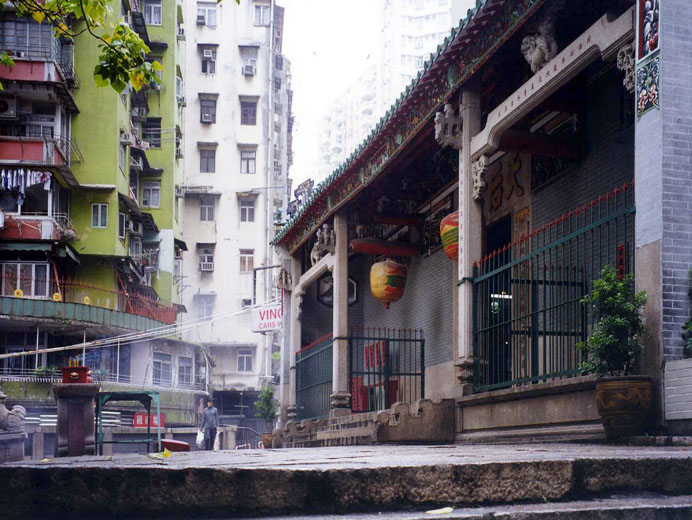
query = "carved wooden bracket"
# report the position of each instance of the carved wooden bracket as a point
(448, 128)
(626, 65)
(478, 169)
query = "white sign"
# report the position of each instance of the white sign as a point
(267, 318)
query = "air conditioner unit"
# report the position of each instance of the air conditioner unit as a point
(181, 31)
(19, 54)
(248, 70)
(178, 153)
(208, 53)
(201, 20)
(181, 100)
(206, 118)
(179, 192)
(125, 138)
(206, 266)
(135, 227)
(8, 108)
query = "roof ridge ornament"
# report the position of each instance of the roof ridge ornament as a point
(448, 128)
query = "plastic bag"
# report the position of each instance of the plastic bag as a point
(200, 439)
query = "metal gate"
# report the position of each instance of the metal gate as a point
(386, 366)
(527, 310)
(314, 379)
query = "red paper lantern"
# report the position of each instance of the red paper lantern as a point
(387, 281)
(449, 231)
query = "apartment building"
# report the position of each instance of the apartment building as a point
(410, 31)
(238, 152)
(90, 215)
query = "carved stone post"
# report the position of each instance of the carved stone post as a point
(470, 234)
(340, 395)
(296, 303)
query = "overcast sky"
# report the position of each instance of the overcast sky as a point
(328, 43)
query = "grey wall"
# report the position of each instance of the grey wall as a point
(676, 178)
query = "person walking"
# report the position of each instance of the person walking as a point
(209, 423)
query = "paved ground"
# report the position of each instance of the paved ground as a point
(339, 480)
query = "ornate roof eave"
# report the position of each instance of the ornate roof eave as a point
(456, 59)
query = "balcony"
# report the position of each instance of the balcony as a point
(43, 151)
(36, 226)
(30, 290)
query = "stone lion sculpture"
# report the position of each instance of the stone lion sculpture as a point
(11, 420)
(540, 46)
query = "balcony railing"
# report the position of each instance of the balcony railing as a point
(37, 149)
(38, 226)
(42, 375)
(80, 292)
(56, 52)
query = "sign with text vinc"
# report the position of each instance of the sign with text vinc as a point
(267, 318)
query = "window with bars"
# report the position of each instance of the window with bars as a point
(245, 356)
(184, 371)
(208, 60)
(151, 194)
(248, 113)
(151, 132)
(206, 258)
(207, 160)
(206, 209)
(33, 279)
(247, 210)
(247, 260)
(99, 215)
(163, 369)
(207, 110)
(247, 161)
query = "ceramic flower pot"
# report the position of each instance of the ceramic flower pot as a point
(267, 440)
(624, 404)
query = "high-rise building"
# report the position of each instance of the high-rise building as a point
(410, 31)
(238, 151)
(90, 232)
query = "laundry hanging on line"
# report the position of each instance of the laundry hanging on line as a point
(18, 180)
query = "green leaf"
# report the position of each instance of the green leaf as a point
(156, 66)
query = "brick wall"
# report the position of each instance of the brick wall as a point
(676, 188)
(426, 304)
(609, 159)
(678, 390)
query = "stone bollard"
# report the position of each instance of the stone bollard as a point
(76, 431)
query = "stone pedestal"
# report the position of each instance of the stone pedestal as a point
(76, 432)
(11, 446)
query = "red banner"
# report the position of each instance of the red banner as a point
(140, 420)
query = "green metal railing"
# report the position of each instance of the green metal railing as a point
(386, 366)
(527, 313)
(314, 379)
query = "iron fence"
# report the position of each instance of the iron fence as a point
(527, 310)
(314, 379)
(386, 366)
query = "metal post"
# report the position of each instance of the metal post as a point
(117, 364)
(37, 335)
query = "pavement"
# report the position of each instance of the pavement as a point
(344, 480)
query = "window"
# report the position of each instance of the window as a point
(207, 160)
(163, 369)
(99, 215)
(205, 307)
(136, 247)
(246, 302)
(419, 42)
(123, 156)
(206, 209)
(206, 14)
(121, 225)
(249, 55)
(152, 12)
(151, 194)
(247, 161)
(247, 260)
(247, 210)
(32, 278)
(261, 15)
(208, 59)
(184, 371)
(245, 360)
(248, 112)
(419, 62)
(151, 132)
(207, 110)
(206, 257)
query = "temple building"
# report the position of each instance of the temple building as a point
(553, 137)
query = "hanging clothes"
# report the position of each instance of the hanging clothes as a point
(19, 180)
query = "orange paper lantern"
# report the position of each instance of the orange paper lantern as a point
(449, 231)
(387, 281)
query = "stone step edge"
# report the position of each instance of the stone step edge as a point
(119, 491)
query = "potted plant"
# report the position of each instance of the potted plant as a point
(613, 352)
(266, 408)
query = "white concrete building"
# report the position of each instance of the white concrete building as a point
(410, 31)
(237, 155)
